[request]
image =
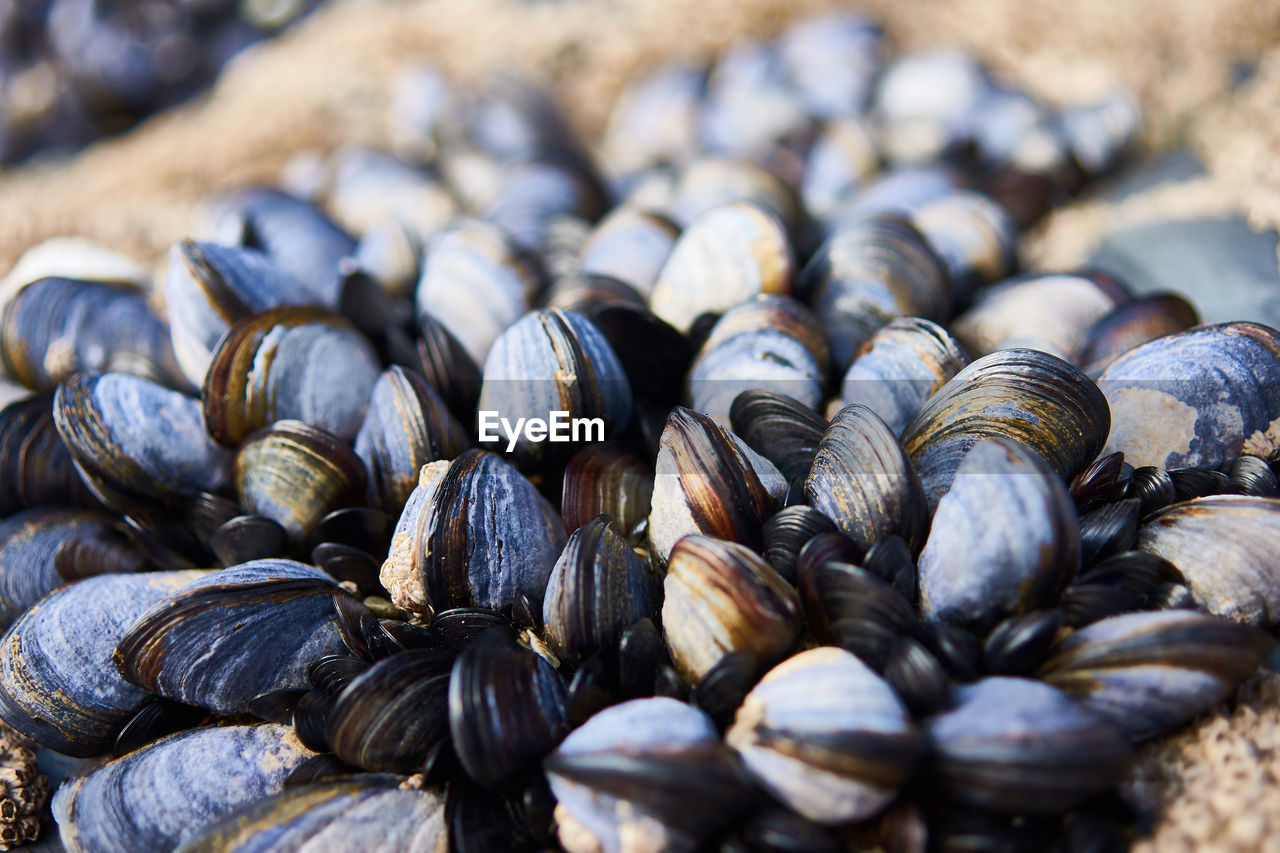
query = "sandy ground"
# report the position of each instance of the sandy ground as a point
(328, 81)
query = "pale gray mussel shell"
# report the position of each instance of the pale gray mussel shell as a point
(721, 597)
(537, 193)
(646, 774)
(54, 327)
(371, 187)
(769, 357)
(869, 271)
(57, 684)
(299, 363)
(1051, 312)
(827, 736)
(631, 245)
(900, 368)
(1029, 396)
(1100, 133)
(296, 235)
(553, 361)
(1225, 546)
(1193, 399)
(1132, 324)
(599, 586)
(862, 480)
(475, 533)
(725, 256)
(407, 426)
(208, 287)
(922, 101)
(508, 708)
(154, 799)
(708, 481)
(832, 61)
(134, 439)
(1005, 538)
(475, 283)
(1151, 672)
(295, 474)
(1012, 745)
(975, 237)
(391, 255)
(603, 478)
(43, 548)
(749, 108)
(426, 112)
(372, 815)
(232, 635)
(900, 191)
(709, 183)
(654, 120)
(768, 312)
(841, 159)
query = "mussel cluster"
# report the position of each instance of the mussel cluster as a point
(875, 540)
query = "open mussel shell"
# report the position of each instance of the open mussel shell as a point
(1029, 396)
(724, 257)
(629, 245)
(233, 635)
(390, 716)
(863, 481)
(1132, 324)
(603, 478)
(708, 481)
(1005, 538)
(295, 474)
(54, 327)
(295, 234)
(975, 237)
(209, 286)
(557, 367)
(720, 597)
(1225, 547)
(652, 769)
(1048, 312)
(475, 283)
(369, 814)
(1151, 672)
(57, 684)
(1013, 745)
(868, 272)
(135, 440)
(474, 533)
(597, 588)
(900, 368)
(780, 428)
(35, 467)
(154, 799)
(407, 426)
(299, 363)
(827, 736)
(41, 549)
(507, 708)
(1193, 399)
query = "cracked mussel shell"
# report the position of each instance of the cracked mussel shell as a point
(826, 736)
(57, 683)
(651, 772)
(295, 474)
(157, 797)
(862, 480)
(1013, 745)
(1005, 539)
(554, 361)
(599, 587)
(230, 636)
(475, 533)
(369, 813)
(721, 597)
(55, 327)
(1225, 548)
(1149, 673)
(707, 480)
(1193, 399)
(136, 441)
(1029, 396)
(407, 426)
(297, 363)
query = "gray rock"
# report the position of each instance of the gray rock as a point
(1227, 271)
(1171, 167)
